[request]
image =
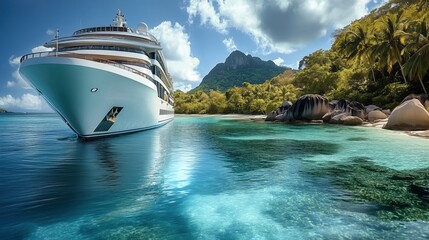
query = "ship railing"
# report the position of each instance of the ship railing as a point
(37, 55)
(119, 65)
(100, 60)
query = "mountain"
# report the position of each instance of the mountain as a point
(239, 68)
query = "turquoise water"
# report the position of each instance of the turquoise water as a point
(195, 178)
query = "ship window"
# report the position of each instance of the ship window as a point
(165, 112)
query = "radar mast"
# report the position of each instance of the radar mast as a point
(119, 20)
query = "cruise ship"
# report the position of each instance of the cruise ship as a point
(104, 80)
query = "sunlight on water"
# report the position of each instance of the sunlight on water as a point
(202, 178)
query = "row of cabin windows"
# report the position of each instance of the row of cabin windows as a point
(165, 112)
(140, 64)
(162, 93)
(97, 47)
(151, 55)
(103, 29)
(155, 69)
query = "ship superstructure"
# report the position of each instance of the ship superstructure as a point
(104, 80)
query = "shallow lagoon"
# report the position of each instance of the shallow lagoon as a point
(201, 178)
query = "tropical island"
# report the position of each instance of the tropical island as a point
(375, 61)
(377, 71)
(3, 110)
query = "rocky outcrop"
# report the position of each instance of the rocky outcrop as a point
(371, 108)
(351, 108)
(327, 117)
(376, 115)
(352, 120)
(410, 115)
(341, 109)
(423, 98)
(277, 115)
(313, 107)
(386, 111)
(308, 107)
(337, 117)
(344, 118)
(271, 116)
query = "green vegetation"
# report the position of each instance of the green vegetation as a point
(385, 55)
(400, 195)
(248, 99)
(239, 68)
(2, 110)
(378, 59)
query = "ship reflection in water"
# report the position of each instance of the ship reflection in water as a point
(107, 178)
(199, 178)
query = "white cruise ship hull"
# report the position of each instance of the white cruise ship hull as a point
(97, 99)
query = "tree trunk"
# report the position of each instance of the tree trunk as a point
(423, 86)
(372, 69)
(400, 65)
(373, 74)
(403, 75)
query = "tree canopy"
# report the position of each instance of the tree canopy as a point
(378, 59)
(247, 99)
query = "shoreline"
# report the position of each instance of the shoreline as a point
(259, 118)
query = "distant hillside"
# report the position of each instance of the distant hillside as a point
(239, 68)
(3, 111)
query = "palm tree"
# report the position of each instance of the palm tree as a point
(418, 64)
(357, 45)
(388, 47)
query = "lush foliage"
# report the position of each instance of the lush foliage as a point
(239, 68)
(248, 99)
(378, 59)
(386, 54)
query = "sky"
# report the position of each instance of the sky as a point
(195, 34)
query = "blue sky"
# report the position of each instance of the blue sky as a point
(195, 34)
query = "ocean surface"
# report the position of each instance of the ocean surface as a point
(195, 178)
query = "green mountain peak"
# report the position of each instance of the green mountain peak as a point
(237, 69)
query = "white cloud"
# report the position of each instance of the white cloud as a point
(50, 32)
(41, 49)
(182, 86)
(379, 3)
(207, 13)
(279, 61)
(27, 102)
(14, 61)
(10, 84)
(278, 25)
(230, 44)
(292, 66)
(177, 51)
(17, 81)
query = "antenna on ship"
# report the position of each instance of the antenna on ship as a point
(119, 20)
